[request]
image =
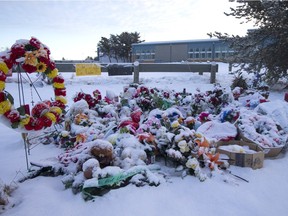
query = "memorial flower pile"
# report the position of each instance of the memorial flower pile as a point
(139, 133)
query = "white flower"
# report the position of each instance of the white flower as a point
(64, 133)
(183, 146)
(192, 163)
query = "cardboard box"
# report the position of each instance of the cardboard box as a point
(269, 152)
(253, 160)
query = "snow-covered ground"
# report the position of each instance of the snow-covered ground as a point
(222, 194)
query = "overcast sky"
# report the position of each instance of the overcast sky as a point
(72, 29)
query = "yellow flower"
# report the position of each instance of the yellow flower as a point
(53, 73)
(61, 99)
(41, 67)
(3, 67)
(80, 117)
(81, 138)
(25, 120)
(5, 106)
(30, 58)
(51, 116)
(198, 135)
(175, 124)
(2, 85)
(56, 110)
(58, 85)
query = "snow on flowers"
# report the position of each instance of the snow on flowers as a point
(145, 125)
(105, 137)
(32, 56)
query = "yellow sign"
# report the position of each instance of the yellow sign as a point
(88, 69)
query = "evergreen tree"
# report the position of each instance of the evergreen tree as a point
(266, 46)
(119, 46)
(105, 47)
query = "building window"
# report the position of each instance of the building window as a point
(203, 53)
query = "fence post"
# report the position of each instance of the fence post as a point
(230, 67)
(136, 71)
(214, 68)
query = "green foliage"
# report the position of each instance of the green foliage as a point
(239, 81)
(265, 48)
(119, 46)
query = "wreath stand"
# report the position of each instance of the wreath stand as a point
(25, 108)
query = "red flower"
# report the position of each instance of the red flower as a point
(92, 103)
(166, 95)
(39, 124)
(47, 50)
(263, 100)
(46, 121)
(9, 62)
(39, 109)
(107, 100)
(97, 94)
(58, 104)
(47, 102)
(204, 116)
(52, 65)
(29, 68)
(79, 95)
(17, 51)
(133, 125)
(60, 92)
(144, 90)
(2, 76)
(136, 116)
(35, 42)
(58, 79)
(30, 125)
(44, 60)
(2, 96)
(13, 116)
(87, 97)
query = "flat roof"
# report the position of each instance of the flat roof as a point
(176, 41)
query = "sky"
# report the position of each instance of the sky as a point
(72, 29)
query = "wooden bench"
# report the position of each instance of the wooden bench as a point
(180, 67)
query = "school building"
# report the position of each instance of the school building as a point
(185, 50)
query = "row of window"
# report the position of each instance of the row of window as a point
(145, 56)
(192, 55)
(208, 55)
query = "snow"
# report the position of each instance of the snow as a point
(220, 194)
(277, 110)
(237, 149)
(218, 131)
